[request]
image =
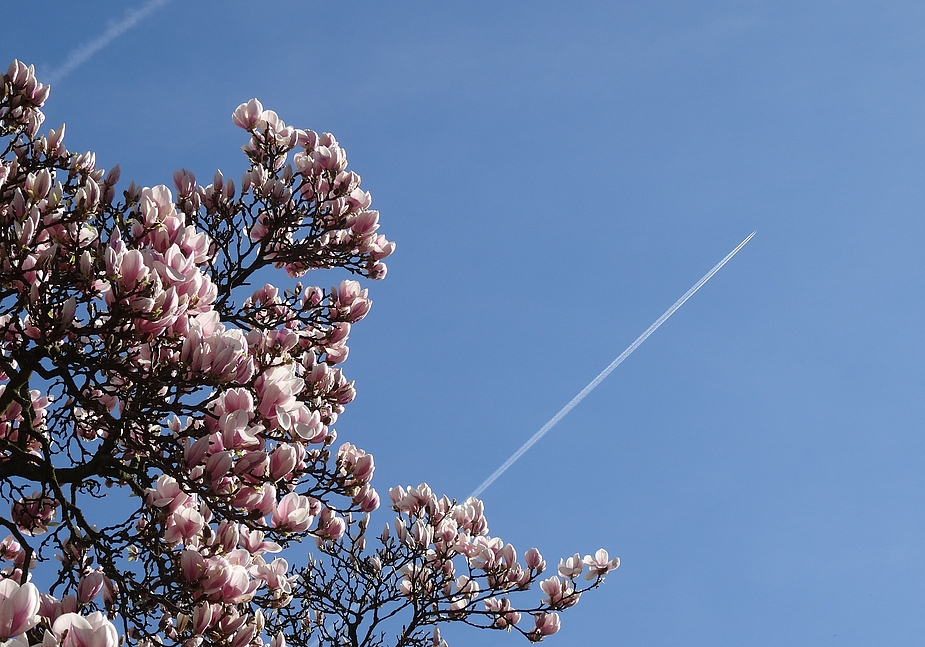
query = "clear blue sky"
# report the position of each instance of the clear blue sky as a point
(556, 175)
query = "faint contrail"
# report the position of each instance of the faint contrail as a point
(83, 53)
(607, 371)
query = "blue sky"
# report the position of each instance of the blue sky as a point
(555, 176)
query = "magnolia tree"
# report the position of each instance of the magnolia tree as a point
(166, 430)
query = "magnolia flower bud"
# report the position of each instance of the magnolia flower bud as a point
(90, 586)
(67, 312)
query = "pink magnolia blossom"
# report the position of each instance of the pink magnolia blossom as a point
(255, 543)
(167, 494)
(260, 500)
(330, 526)
(546, 625)
(227, 582)
(19, 607)
(34, 513)
(228, 535)
(282, 461)
(503, 612)
(276, 388)
(183, 525)
(90, 586)
(293, 513)
(194, 453)
(367, 498)
(275, 576)
(52, 608)
(9, 548)
(560, 593)
(535, 560)
(184, 181)
(355, 463)
(571, 567)
(192, 565)
(600, 564)
(311, 429)
(247, 115)
(203, 616)
(94, 630)
(219, 464)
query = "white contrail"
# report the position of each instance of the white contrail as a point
(83, 53)
(607, 371)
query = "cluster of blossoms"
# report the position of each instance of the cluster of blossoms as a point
(458, 565)
(137, 364)
(23, 610)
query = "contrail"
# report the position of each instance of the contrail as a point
(607, 371)
(83, 53)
